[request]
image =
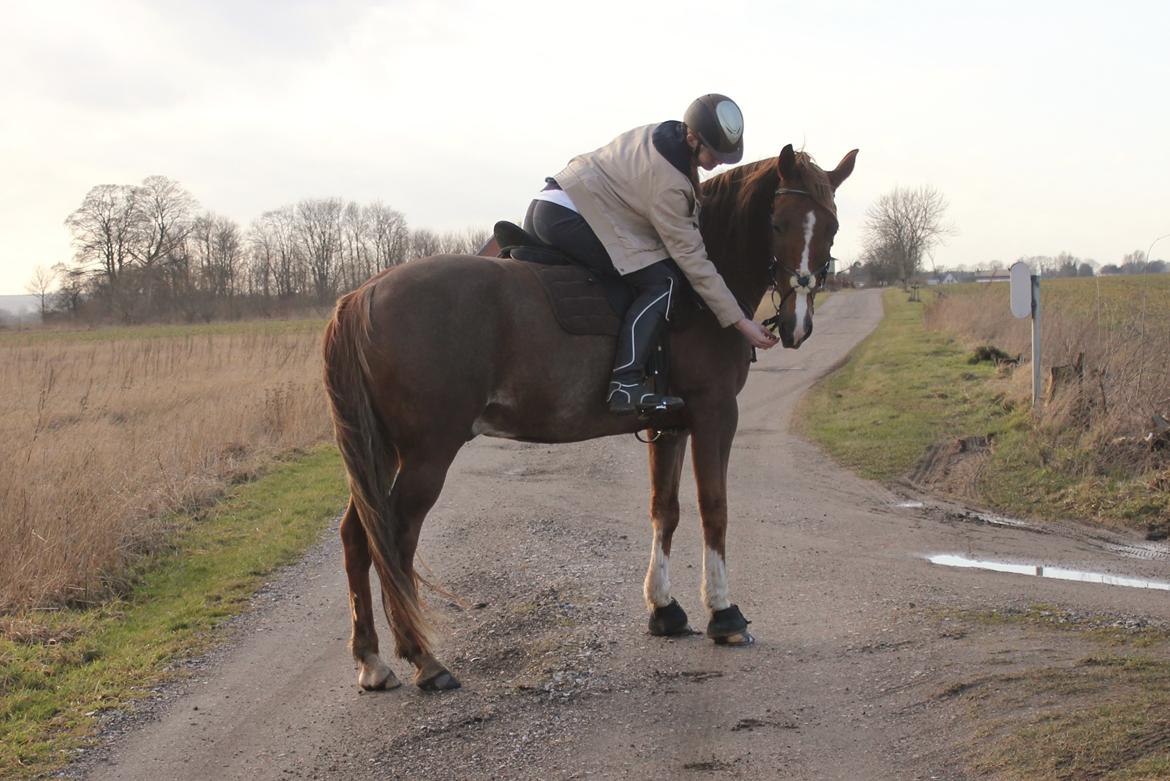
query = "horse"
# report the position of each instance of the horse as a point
(425, 356)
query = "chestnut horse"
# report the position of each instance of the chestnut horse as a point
(425, 356)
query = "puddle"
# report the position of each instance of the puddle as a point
(1040, 570)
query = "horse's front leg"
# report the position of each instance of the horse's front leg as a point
(666, 459)
(713, 433)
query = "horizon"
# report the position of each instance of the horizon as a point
(1007, 110)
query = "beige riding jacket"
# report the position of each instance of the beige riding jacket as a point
(644, 210)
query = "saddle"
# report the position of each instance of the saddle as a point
(584, 303)
(588, 304)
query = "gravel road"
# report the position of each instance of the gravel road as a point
(546, 547)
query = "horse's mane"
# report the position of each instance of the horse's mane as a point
(740, 201)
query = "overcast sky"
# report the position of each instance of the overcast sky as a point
(1045, 124)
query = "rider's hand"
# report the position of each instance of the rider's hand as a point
(756, 334)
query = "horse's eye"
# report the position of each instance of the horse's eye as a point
(780, 227)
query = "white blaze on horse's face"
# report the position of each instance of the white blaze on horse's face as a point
(802, 314)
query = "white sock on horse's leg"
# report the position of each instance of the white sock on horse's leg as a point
(714, 581)
(657, 587)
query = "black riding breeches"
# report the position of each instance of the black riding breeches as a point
(567, 230)
(654, 286)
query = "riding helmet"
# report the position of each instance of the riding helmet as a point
(718, 122)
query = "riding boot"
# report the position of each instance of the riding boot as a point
(630, 390)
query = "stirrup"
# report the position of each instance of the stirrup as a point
(656, 402)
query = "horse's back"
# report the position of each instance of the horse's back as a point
(474, 341)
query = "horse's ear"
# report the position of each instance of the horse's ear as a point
(786, 164)
(843, 169)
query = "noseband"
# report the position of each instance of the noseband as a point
(802, 283)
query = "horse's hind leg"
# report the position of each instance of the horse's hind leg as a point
(666, 459)
(417, 487)
(373, 673)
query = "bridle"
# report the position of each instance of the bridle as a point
(797, 283)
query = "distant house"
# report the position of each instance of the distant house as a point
(996, 275)
(945, 279)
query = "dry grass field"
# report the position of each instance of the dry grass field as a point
(1120, 324)
(104, 437)
(1090, 433)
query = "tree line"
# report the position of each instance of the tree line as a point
(149, 251)
(905, 225)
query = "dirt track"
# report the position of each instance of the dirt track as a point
(547, 548)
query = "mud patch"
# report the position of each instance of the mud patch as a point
(952, 466)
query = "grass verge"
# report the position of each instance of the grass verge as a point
(59, 670)
(902, 389)
(906, 390)
(1101, 715)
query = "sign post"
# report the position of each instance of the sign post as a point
(1025, 300)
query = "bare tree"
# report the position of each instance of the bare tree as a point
(41, 285)
(357, 247)
(104, 229)
(465, 242)
(424, 243)
(319, 232)
(164, 219)
(389, 234)
(274, 236)
(902, 227)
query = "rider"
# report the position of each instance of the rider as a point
(630, 208)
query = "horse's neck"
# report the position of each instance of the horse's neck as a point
(744, 257)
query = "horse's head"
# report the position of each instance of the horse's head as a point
(804, 222)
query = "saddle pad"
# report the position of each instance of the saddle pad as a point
(577, 299)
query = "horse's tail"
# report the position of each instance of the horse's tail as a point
(371, 462)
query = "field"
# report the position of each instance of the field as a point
(1086, 452)
(108, 432)
(1120, 324)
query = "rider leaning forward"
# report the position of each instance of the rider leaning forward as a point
(631, 208)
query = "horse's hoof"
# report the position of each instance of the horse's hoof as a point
(669, 620)
(737, 639)
(443, 681)
(377, 677)
(729, 627)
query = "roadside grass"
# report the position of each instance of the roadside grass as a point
(60, 669)
(1086, 447)
(907, 389)
(901, 390)
(1105, 715)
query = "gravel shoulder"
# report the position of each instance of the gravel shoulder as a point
(546, 548)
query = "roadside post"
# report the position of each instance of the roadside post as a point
(1025, 301)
